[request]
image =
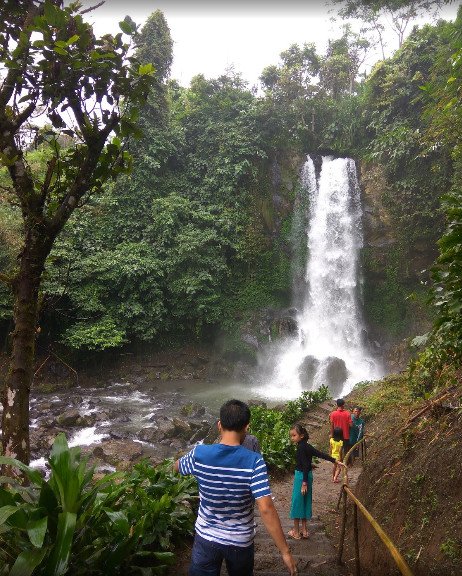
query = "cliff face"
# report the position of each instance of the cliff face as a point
(395, 272)
(393, 268)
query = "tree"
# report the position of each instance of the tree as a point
(89, 90)
(342, 62)
(396, 14)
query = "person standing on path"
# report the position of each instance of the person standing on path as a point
(336, 446)
(357, 429)
(251, 443)
(231, 478)
(302, 491)
(341, 418)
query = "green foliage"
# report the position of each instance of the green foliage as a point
(385, 302)
(451, 549)
(272, 427)
(40, 521)
(124, 523)
(437, 365)
(385, 396)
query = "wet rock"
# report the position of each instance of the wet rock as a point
(251, 340)
(335, 374)
(192, 409)
(47, 423)
(256, 402)
(211, 436)
(119, 453)
(307, 371)
(177, 444)
(124, 418)
(181, 429)
(164, 428)
(204, 431)
(73, 418)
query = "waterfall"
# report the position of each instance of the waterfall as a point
(330, 347)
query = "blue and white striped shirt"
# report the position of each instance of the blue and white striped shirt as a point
(230, 479)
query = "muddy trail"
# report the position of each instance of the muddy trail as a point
(317, 555)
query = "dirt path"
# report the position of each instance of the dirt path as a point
(317, 555)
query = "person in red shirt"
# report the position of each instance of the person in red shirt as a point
(341, 418)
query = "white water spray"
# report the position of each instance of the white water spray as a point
(330, 347)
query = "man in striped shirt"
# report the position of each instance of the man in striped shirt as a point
(231, 478)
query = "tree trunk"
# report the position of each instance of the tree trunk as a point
(15, 420)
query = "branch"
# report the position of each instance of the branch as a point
(24, 115)
(49, 175)
(425, 409)
(91, 8)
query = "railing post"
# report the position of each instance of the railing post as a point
(356, 535)
(343, 527)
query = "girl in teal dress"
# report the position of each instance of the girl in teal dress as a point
(302, 495)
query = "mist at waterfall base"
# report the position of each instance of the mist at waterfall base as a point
(329, 345)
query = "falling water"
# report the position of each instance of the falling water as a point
(330, 347)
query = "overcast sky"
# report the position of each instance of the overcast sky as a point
(211, 35)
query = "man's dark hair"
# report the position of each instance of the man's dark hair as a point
(340, 402)
(234, 415)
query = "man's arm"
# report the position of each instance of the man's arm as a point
(176, 466)
(272, 523)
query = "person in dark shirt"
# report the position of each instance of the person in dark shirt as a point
(251, 443)
(302, 494)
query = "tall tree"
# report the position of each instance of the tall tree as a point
(397, 15)
(342, 62)
(88, 89)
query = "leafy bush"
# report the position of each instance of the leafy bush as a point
(122, 523)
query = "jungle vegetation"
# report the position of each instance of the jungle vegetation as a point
(197, 236)
(165, 217)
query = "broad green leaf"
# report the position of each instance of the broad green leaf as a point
(145, 69)
(37, 530)
(33, 475)
(60, 51)
(27, 561)
(59, 559)
(73, 39)
(120, 521)
(127, 25)
(6, 512)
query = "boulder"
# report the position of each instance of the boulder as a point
(119, 453)
(164, 428)
(307, 371)
(335, 374)
(68, 418)
(182, 429)
(251, 340)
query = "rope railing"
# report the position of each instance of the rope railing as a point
(358, 505)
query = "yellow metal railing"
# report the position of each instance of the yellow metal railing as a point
(344, 494)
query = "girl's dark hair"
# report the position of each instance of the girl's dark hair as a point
(301, 430)
(338, 434)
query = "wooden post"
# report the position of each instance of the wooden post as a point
(343, 527)
(356, 535)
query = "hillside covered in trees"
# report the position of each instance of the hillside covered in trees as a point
(198, 236)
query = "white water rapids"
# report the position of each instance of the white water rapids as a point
(330, 347)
